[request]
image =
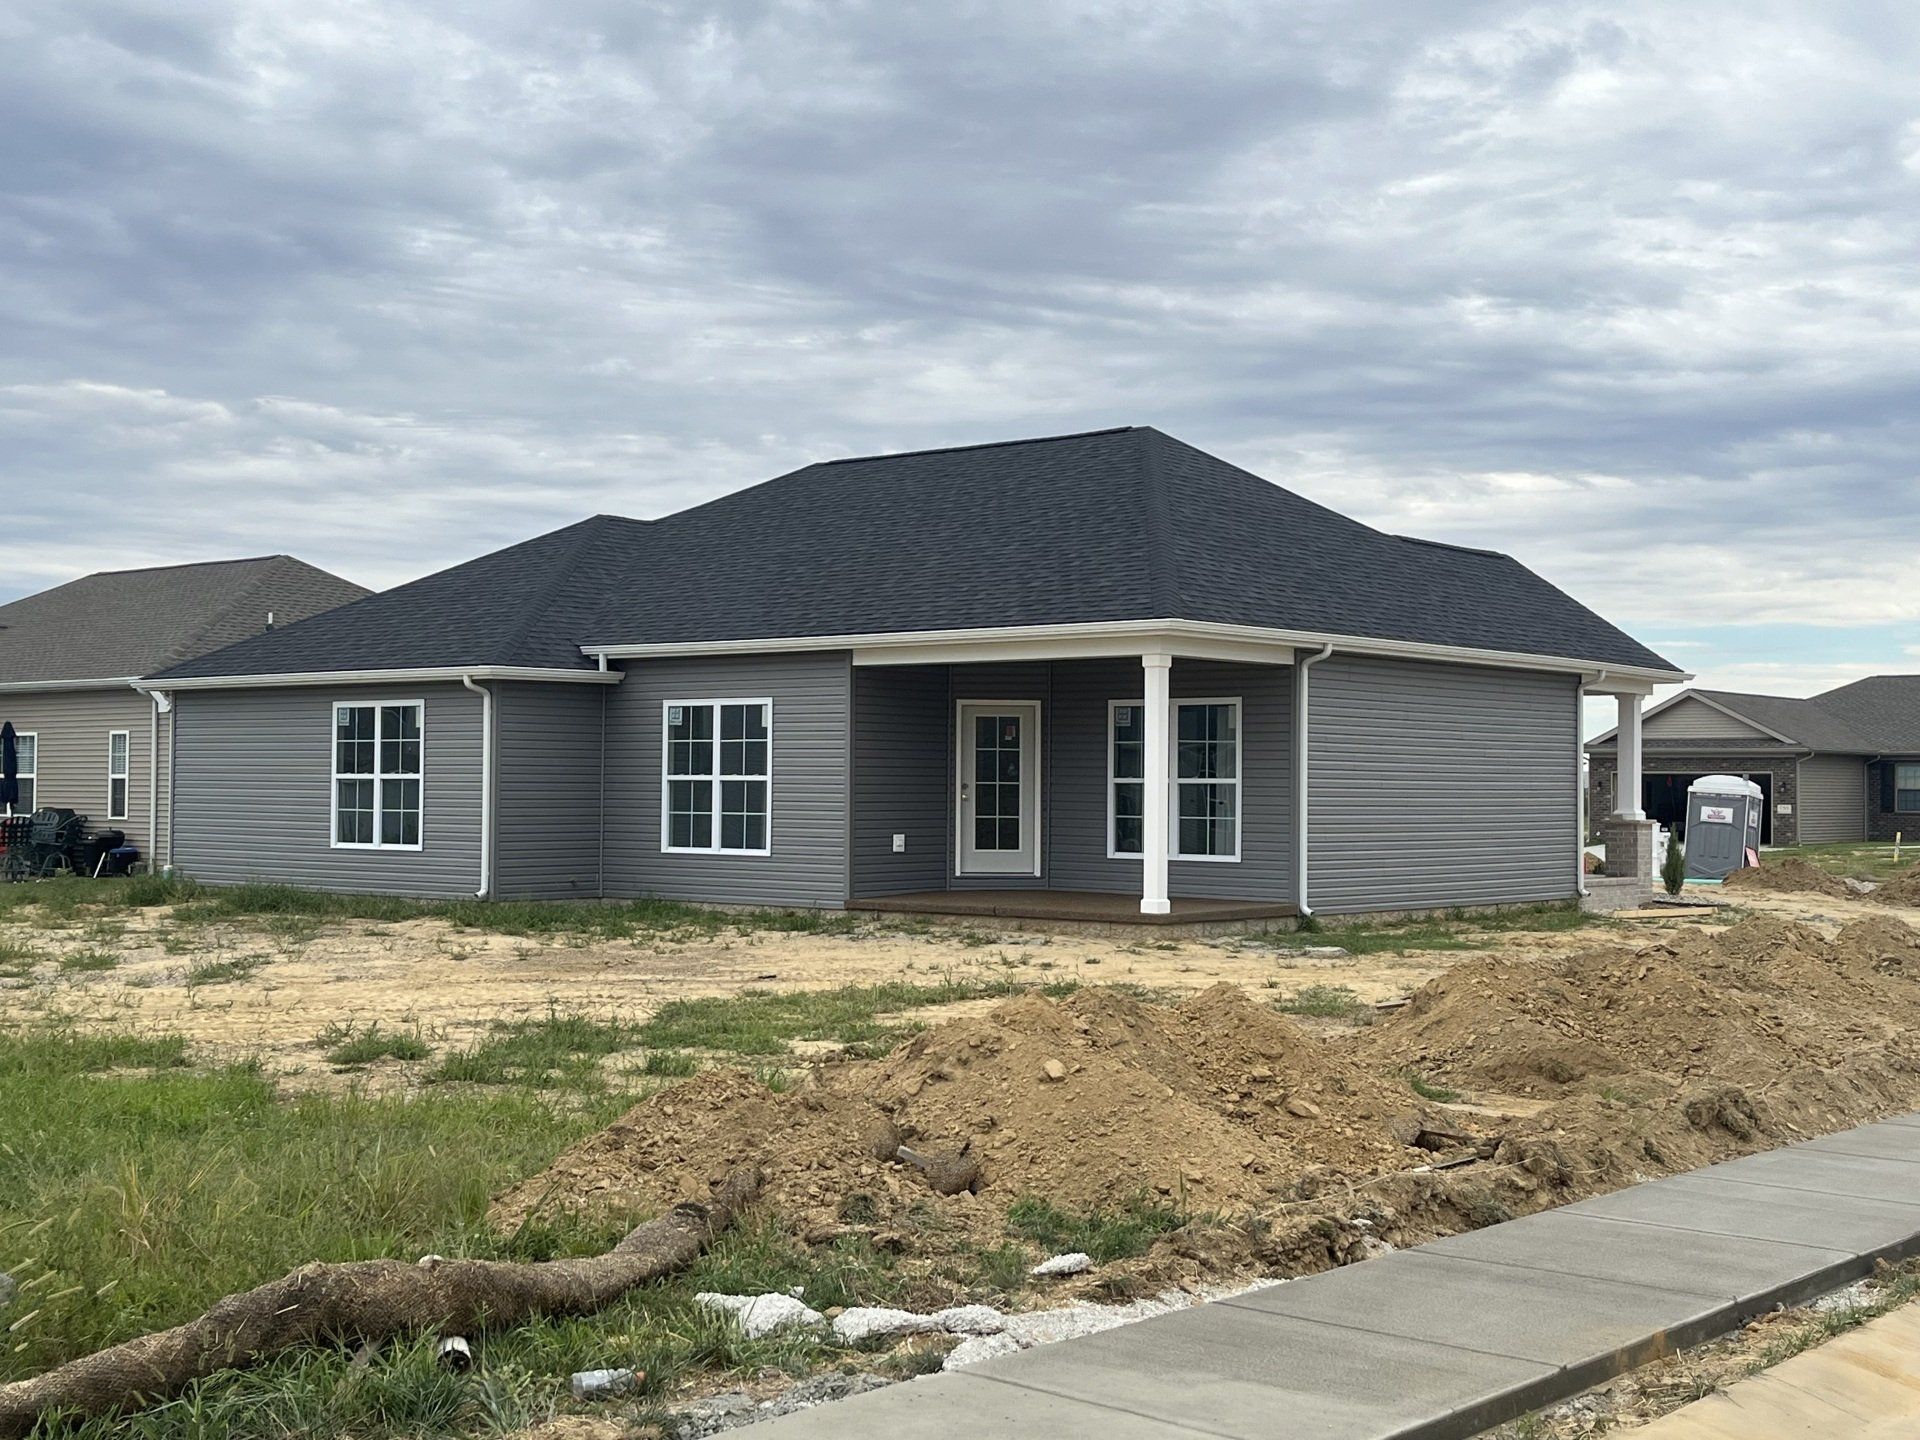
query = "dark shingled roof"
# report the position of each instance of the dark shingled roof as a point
(1876, 716)
(119, 624)
(1110, 525)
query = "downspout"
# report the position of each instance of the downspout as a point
(1302, 811)
(486, 787)
(1580, 782)
(162, 704)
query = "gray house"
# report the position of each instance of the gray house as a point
(1098, 673)
(70, 656)
(1841, 765)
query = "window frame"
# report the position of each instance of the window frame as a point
(335, 776)
(1898, 788)
(125, 777)
(713, 776)
(1114, 852)
(32, 775)
(1174, 782)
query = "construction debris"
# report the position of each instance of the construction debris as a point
(760, 1315)
(1070, 1264)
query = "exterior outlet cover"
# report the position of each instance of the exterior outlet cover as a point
(899, 844)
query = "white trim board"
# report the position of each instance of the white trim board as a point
(1192, 638)
(1032, 791)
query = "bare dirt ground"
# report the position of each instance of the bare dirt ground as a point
(453, 983)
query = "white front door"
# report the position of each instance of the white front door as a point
(998, 787)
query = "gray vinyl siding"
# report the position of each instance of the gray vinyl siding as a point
(1438, 785)
(1692, 719)
(547, 790)
(253, 791)
(812, 704)
(72, 728)
(900, 779)
(1077, 840)
(1832, 799)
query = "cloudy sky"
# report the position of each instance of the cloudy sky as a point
(1627, 289)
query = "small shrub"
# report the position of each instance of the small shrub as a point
(1673, 870)
(1331, 1002)
(676, 1064)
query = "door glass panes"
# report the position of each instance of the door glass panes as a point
(996, 782)
(1129, 769)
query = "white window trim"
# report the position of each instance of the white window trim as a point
(1032, 789)
(1174, 852)
(125, 777)
(666, 777)
(33, 774)
(1113, 811)
(335, 777)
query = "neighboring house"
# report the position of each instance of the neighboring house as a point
(69, 657)
(1841, 765)
(1105, 664)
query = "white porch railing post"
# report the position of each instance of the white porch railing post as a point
(1155, 821)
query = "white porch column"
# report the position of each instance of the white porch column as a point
(1626, 782)
(1158, 787)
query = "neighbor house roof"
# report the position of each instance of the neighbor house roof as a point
(119, 624)
(1876, 716)
(1112, 525)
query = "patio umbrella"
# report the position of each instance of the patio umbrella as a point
(9, 767)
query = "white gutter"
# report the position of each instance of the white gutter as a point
(392, 677)
(105, 682)
(1126, 638)
(162, 703)
(486, 786)
(1302, 811)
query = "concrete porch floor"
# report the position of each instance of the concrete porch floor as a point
(1073, 907)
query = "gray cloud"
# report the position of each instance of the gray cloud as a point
(1628, 289)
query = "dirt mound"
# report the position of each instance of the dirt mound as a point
(1901, 889)
(1739, 1007)
(1217, 1104)
(1791, 876)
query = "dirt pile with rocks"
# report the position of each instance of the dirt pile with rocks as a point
(1791, 876)
(1902, 888)
(1576, 1074)
(1216, 1104)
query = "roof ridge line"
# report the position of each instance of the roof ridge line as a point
(981, 445)
(540, 601)
(183, 650)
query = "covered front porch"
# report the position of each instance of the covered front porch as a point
(1152, 789)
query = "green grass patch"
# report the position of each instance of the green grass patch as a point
(1854, 861)
(764, 1022)
(1427, 1090)
(1115, 1234)
(1327, 1002)
(1454, 930)
(557, 1050)
(225, 972)
(296, 914)
(87, 961)
(347, 1044)
(670, 1064)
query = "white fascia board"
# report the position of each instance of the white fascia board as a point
(386, 677)
(1129, 637)
(106, 682)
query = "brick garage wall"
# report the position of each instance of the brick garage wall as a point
(1784, 768)
(1882, 823)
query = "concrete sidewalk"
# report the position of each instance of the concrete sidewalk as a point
(1450, 1338)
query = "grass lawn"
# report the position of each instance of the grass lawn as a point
(1455, 930)
(63, 900)
(1857, 862)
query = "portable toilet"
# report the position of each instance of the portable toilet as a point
(1723, 826)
